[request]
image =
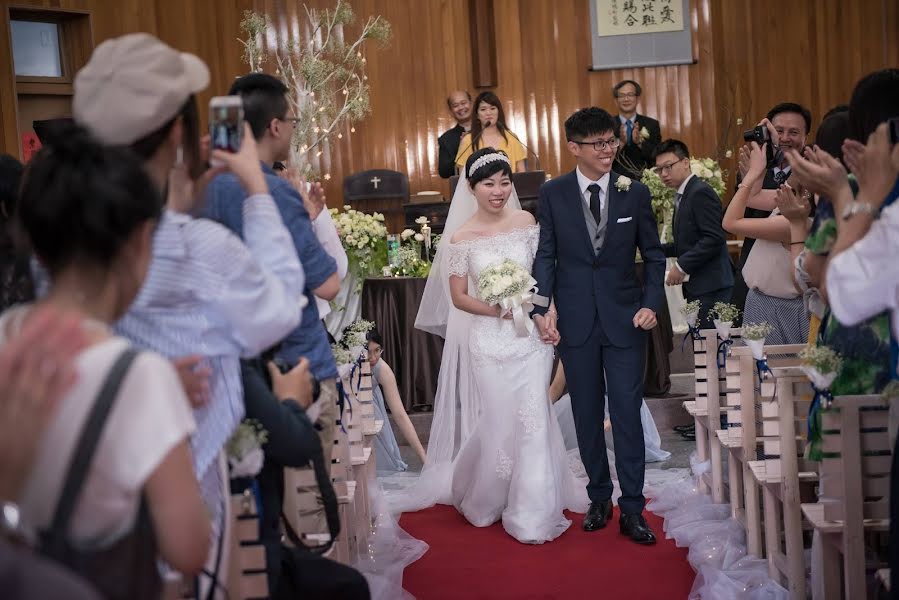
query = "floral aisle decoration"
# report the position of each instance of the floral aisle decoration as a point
(821, 365)
(364, 237)
(723, 316)
(706, 169)
(690, 310)
(509, 285)
(324, 68)
(349, 353)
(415, 251)
(754, 335)
(244, 449)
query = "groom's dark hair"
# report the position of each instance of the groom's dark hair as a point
(589, 121)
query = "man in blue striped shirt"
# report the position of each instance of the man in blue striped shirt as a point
(267, 111)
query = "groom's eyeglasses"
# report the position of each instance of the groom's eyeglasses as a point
(600, 145)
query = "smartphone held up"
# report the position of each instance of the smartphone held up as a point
(226, 123)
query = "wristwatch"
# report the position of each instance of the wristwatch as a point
(855, 207)
(12, 527)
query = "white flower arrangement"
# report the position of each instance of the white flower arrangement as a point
(623, 184)
(821, 364)
(724, 315)
(421, 221)
(244, 449)
(502, 281)
(364, 237)
(690, 310)
(754, 335)
(511, 286)
(406, 234)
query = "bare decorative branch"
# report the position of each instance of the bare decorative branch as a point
(325, 75)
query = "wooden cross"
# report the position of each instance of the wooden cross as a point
(375, 181)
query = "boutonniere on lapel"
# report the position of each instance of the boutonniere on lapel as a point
(623, 184)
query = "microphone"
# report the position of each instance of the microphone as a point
(537, 158)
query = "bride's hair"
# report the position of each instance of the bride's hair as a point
(489, 169)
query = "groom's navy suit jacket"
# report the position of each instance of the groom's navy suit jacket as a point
(590, 286)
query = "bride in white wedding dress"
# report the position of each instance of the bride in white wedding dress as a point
(496, 450)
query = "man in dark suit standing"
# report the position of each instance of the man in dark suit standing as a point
(459, 103)
(702, 264)
(592, 222)
(638, 133)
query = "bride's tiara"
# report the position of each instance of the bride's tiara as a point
(487, 159)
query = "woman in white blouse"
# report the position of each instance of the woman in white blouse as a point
(89, 214)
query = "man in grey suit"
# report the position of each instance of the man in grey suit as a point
(702, 264)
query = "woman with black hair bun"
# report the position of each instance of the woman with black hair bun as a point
(89, 214)
(389, 459)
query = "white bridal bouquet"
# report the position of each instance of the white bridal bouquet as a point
(511, 286)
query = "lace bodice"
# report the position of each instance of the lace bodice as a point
(493, 341)
(473, 256)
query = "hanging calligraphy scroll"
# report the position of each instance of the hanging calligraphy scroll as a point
(637, 33)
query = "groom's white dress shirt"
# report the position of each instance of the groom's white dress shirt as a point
(603, 182)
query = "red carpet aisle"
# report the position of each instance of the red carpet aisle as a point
(467, 563)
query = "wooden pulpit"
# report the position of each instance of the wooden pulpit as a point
(379, 190)
(527, 184)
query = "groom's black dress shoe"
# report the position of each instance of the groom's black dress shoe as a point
(635, 527)
(597, 515)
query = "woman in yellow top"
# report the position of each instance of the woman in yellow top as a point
(489, 130)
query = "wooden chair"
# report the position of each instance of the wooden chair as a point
(854, 489)
(740, 440)
(711, 386)
(786, 398)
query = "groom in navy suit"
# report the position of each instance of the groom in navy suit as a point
(592, 222)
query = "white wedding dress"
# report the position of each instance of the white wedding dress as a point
(513, 466)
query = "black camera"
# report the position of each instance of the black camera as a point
(760, 135)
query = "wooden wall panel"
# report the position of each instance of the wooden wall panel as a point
(749, 56)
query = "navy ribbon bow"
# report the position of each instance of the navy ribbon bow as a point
(723, 347)
(692, 332)
(762, 367)
(822, 400)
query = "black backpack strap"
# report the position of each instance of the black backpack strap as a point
(87, 444)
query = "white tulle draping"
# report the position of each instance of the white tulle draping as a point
(716, 542)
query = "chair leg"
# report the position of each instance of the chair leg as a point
(753, 514)
(702, 448)
(717, 465)
(792, 515)
(772, 537)
(735, 483)
(830, 568)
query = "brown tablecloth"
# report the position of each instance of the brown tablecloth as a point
(392, 304)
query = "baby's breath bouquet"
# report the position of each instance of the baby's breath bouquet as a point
(821, 365)
(690, 310)
(352, 345)
(754, 335)
(244, 449)
(364, 237)
(724, 315)
(510, 286)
